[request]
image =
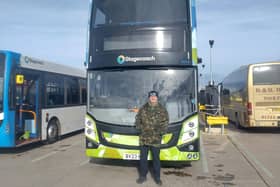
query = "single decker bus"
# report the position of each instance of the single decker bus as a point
(39, 100)
(251, 95)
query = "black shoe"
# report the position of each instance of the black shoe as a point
(141, 180)
(158, 182)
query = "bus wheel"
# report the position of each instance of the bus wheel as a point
(237, 123)
(52, 132)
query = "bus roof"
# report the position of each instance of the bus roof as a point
(265, 63)
(47, 66)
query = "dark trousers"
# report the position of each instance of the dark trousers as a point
(144, 161)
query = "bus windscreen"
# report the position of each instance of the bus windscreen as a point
(114, 93)
(2, 68)
(135, 11)
(266, 75)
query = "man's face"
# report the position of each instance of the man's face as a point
(153, 99)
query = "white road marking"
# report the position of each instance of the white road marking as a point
(84, 162)
(52, 153)
(44, 156)
(203, 157)
(251, 157)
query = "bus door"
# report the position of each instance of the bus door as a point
(27, 108)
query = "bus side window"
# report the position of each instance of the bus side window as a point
(73, 92)
(226, 96)
(54, 91)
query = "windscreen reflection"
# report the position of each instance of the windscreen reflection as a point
(113, 95)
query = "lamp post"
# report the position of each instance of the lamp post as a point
(211, 43)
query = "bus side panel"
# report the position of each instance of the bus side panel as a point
(70, 119)
(7, 130)
(194, 31)
(235, 97)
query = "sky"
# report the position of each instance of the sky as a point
(53, 30)
(244, 32)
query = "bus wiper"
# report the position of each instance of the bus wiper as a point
(156, 68)
(138, 23)
(113, 70)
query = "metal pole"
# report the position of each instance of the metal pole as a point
(211, 72)
(211, 43)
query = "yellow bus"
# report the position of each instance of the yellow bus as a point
(251, 95)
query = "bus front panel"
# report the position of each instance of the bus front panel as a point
(265, 97)
(115, 96)
(176, 145)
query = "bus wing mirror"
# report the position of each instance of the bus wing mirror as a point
(225, 92)
(199, 60)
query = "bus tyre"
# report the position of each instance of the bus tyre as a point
(52, 132)
(237, 124)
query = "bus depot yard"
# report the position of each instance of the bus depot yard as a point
(129, 53)
(238, 158)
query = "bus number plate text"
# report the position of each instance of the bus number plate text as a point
(131, 156)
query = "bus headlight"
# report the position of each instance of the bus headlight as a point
(187, 136)
(88, 123)
(91, 134)
(190, 130)
(90, 129)
(191, 147)
(191, 124)
(191, 134)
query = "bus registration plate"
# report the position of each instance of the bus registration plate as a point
(276, 109)
(131, 156)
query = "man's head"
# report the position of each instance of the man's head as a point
(153, 97)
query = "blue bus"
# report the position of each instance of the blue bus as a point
(39, 100)
(135, 46)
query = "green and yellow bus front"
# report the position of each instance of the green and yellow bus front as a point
(114, 99)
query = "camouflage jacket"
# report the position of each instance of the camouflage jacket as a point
(152, 122)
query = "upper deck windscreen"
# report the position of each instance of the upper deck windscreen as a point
(266, 74)
(139, 11)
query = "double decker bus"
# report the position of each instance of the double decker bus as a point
(39, 100)
(251, 95)
(135, 47)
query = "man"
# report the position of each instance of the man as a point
(152, 122)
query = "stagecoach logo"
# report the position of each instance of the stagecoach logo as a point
(28, 60)
(122, 59)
